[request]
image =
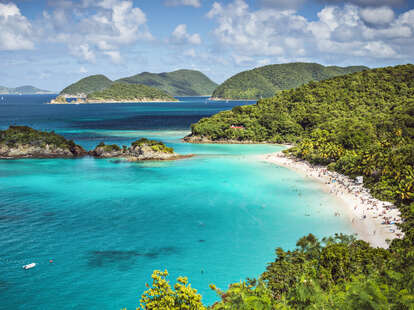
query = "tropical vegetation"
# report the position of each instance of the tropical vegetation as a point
(130, 92)
(87, 85)
(156, 146)
(24, 135)
(176, 83)
(264, 82)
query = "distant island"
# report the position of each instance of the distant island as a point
(119, 93)
(25, 142)
(264, 82)
(177, 83)
(23, 90)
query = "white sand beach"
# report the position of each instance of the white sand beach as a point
(373, 221)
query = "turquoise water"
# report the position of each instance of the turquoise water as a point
(107, 224)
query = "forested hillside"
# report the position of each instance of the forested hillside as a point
(177, 83)
(265, 81)
(130, 92)
(87, 85)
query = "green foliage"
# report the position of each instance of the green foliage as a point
(130, 92)
(156, 146)
(162, 297)
(109, 147)
(87, 85)
(177, 83)
(358, 124)
(23, 135)
(266, 81)
(338, 272)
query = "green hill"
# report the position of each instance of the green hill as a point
(265, 81)
(129, 92)
(177, 83)
(24, 90)
(87, 85)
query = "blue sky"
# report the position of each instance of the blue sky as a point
(52, 43)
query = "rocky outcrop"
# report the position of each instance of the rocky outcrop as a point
(47, 151)
(25, 142)
(143, 149)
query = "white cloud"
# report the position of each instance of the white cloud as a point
(181, 36)
(369, 2)
(194, 3)
(377, 16)
(15, 29)
(114, 55)
(340, 33)
(93, 27)
(282, 4)
(83, 51)
(191, 53)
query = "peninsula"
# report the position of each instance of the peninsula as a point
(121, 93)
(176, 83)
(25, 142)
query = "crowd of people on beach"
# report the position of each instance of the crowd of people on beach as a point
(383, 213)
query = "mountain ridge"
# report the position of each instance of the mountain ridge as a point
(264, 82)
(24, 90)
(182, 82)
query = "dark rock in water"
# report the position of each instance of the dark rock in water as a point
(123, 258)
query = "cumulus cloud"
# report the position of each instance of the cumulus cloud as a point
(114, 55)
(91, 27)
(181, 36)
(282, 4)
(377, 16)
(368, 2)
(194, 3)
(15, 29)
(83, 70)
(339, 33)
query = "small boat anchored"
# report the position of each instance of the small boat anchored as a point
(29, 266)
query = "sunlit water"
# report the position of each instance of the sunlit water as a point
(107, 224)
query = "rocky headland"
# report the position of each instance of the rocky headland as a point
(25, 142)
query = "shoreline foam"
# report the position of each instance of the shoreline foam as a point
(365, 213)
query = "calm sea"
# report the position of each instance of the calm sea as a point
(107, 224)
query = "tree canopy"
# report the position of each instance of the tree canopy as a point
(264, 82)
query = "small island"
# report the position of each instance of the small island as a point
(25, 142)
(120, 93)
(142, 149)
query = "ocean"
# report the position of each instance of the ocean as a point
(106, 224)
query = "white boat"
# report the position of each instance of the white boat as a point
(29, 266)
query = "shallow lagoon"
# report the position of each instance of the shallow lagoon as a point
(216, 217)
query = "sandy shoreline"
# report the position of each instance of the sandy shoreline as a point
(373, 220)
